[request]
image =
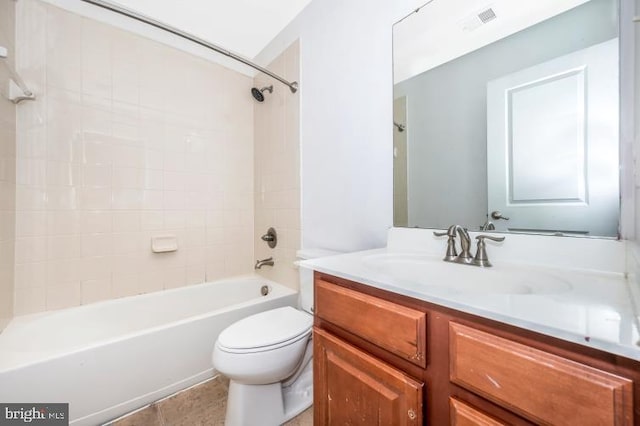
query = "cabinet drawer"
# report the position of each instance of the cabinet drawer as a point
(542, 387)
(395, 328)
(463, 414)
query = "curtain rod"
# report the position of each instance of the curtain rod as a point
(293, 86)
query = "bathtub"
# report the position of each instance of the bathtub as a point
(109, 358)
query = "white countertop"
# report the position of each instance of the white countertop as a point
(595, 310)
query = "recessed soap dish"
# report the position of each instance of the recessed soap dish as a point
(164, 243)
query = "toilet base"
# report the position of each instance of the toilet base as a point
(299, 395)
(269, 405)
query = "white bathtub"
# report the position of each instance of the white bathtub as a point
(112, 357)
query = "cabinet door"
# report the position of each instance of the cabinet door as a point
(352, 387)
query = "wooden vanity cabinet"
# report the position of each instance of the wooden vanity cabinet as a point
(386, 359)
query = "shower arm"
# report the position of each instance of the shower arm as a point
(293, 86)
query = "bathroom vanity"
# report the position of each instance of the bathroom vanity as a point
(551, 333)
(401, 337)
(383, 358)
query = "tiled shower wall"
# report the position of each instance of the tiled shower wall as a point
(7, 165)
(128, 139)
(277, 168)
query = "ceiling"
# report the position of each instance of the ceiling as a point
(241, 26)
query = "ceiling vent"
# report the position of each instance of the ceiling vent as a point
(487, 15)
(476, 20)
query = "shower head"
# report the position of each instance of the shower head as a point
(257, 93)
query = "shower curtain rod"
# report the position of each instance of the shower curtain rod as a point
(293, 86)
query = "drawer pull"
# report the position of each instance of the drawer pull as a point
(412, 414)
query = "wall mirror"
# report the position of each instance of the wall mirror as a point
(506, 116)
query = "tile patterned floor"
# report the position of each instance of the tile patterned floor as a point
(202, 405)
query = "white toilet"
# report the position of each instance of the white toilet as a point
(267, 357)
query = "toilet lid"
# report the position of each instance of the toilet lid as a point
(266, 329)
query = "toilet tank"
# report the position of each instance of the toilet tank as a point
(306, 275)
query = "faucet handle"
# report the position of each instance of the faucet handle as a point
(451, 244)
(481, 258)
(489, 237)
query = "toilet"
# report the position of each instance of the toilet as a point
(267, 358)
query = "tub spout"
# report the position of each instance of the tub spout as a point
(261, 263)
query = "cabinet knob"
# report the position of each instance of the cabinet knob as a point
(412, 414)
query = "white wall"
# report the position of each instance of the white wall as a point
(631, 135)
(346, 119)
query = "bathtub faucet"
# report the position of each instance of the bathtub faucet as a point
(261, 263)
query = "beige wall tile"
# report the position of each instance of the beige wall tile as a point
(64, 47)
(123, 284)
(96, 221)
(97, 245)
(276, 168)
(31, 249)
(64, 295)
(96, 58)
(29, 300)
(95, 290)
(64, 271)
(126, 221)
(151, 220)
(175, 277)
(114, 151)
(30, 275)
(96, 268)
(27, 224)
(8, 168)
(97, 176)
(63, 247)
(66, 222)
(125, 68)
(151, 280)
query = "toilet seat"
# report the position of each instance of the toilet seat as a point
(266, 331)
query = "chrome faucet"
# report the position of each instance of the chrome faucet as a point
(263, 262)
(488, 226)
(465, 257)
(465, 246)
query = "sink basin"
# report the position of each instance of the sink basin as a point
(437, 276)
